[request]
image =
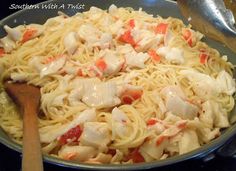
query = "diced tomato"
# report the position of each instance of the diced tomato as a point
(126, 37)
(187, 35)
(131, 95)
(73, 134)
(135, 156)
(111, 152)
(203, 56)
(80, 72)
(136, 45)
(161, 28)
(136, 94)
(127, 99)
(101, 64)
(151, 122)
(154, 56)
(132, 23)
(160, 140)
(2, 52)
(28, 34)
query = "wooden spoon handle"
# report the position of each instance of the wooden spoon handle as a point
(32, 156)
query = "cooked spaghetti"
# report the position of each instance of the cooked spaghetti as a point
(117, 86)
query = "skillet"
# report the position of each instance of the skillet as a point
(165, 8)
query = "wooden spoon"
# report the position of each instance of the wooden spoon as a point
(27, 97)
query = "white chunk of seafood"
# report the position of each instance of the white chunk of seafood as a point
(14, 33)
(53, 67)
(51, 134)
(95, 13)
(205, 134)
(204, 85)
(77, 153)
(182, 108)
(135, 59)
(86, 116)
(100, 158)
(7, 44)
(74, 97)
(116, 28)
(70, 42)
(207, 115)
(70, 68)
(54, 23)
(152, 149)
(214, 114)
(175, 102)
(96, 134)
(77, 87)
(59, 100)
(118, 115)
(158, 127)
(101, 95)
(188, 142)
(94, 37)
(80, 83)
(105, 22)
(112, 9)
(168, 37)
(145, 39)
(173, 90)
(113, 63)
(36, 64)
(18, 77)
(126, 87)
(174, 129)
(104, 41)
(31, 31)
(119, 119)
(125, 49)
(174, 55)
(88, 33)
(38, 27)
(226, 82)
(163, 51)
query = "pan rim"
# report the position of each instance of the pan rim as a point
(198, 153)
